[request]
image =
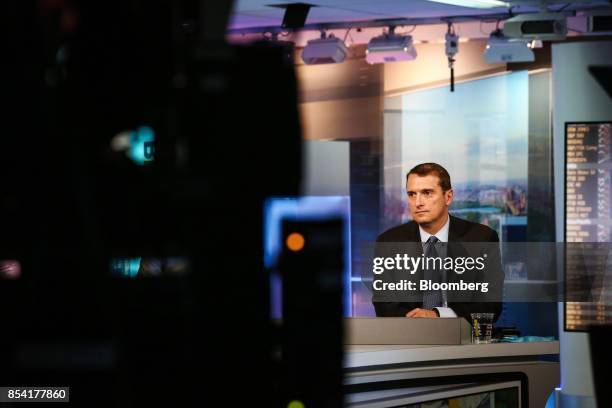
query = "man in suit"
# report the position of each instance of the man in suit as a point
(430, 194)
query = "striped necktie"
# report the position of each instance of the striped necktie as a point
(432, 298)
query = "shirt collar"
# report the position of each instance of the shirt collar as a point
(442, 234)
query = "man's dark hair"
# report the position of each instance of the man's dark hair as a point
(425, 169)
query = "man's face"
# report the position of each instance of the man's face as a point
(426, 200)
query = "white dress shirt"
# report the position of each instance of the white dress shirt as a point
(442, 235)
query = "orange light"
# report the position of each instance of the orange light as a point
(295, 241)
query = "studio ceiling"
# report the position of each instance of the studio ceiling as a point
(261, 13)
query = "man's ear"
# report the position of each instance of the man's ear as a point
(448, 195)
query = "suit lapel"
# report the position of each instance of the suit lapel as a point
(413, 235)
(412, 232)
(454, 234)
(455, 249)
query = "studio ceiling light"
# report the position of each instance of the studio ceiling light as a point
(390, 47)
(501, 49)
(324, 50)
(536, 26)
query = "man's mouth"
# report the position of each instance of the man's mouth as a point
(421, 212)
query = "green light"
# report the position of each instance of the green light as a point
(296, 404)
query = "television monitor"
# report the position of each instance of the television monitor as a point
(588, 224)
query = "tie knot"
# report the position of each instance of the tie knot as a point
(432, 240)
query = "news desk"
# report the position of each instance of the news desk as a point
(378, 373)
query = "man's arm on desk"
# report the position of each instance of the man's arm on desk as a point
(435, 312)
(419, 312)
(445, 312)
(407, 309)
(393, 309)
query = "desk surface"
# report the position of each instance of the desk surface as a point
(374, 355)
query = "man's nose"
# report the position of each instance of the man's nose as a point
(419, 200)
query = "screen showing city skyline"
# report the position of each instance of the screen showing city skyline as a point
(479, 133)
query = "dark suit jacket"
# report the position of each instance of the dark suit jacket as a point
(459, 231)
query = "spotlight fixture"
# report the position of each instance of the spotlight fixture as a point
(451, 49)
(503, 49)
(536, 26)
(451, 44)
(390, 47)
(324, 50)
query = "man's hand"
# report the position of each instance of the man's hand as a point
(421, 313)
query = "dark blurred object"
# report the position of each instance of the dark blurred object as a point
(155, 267)
(10, 269)
(600, 339)
(603, 76)
(77, 75)
(311, 266)
(500, 332)
(295, 14)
